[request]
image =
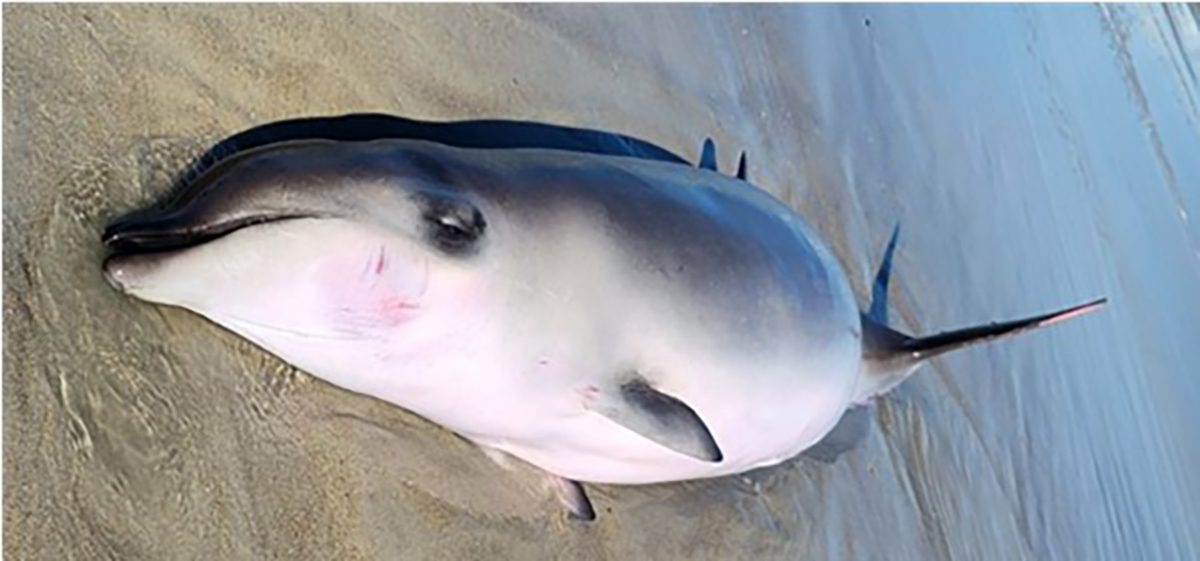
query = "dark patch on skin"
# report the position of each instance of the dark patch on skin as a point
(483, 134)
(434, 170)
(723, 255)
(172, 233)
(247, 189)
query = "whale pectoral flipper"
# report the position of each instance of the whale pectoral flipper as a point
(637, 406)
(570, 493)
(741, 169)
(572, 496)
(708, 155)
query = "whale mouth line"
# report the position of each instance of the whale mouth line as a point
(167, 234)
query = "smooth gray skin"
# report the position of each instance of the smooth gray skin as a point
(688, 243)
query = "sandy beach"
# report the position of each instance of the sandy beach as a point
(1031, 169)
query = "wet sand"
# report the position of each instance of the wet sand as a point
(1042, 165)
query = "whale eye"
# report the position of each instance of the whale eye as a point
(453, 225)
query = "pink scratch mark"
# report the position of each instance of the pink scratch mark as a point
(397, 304)
(381, 261)
(376, 264)
(379, 303)
(588, 393)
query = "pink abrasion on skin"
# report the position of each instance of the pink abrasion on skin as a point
(588, 392)
(392, 307)
(381, 261)
(375, 299)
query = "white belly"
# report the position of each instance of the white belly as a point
(533, 407)
(507, 366)
(530, 404)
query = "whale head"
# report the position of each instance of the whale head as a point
(306, 246)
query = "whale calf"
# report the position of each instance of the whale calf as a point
(587, 302)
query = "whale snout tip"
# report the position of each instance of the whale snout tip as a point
(114, 274)
(122, 272)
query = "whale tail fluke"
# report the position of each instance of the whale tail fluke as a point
(890, 356)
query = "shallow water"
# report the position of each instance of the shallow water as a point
(1034, 156)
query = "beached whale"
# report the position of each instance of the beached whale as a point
(585, 301)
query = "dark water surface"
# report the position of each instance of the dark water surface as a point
(1035, 156)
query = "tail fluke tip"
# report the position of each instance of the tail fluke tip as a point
(1074, 312)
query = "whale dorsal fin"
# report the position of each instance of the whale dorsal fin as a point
(639, 407)
(878, 311)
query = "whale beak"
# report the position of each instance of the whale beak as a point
(144, 232)
(139, 242)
